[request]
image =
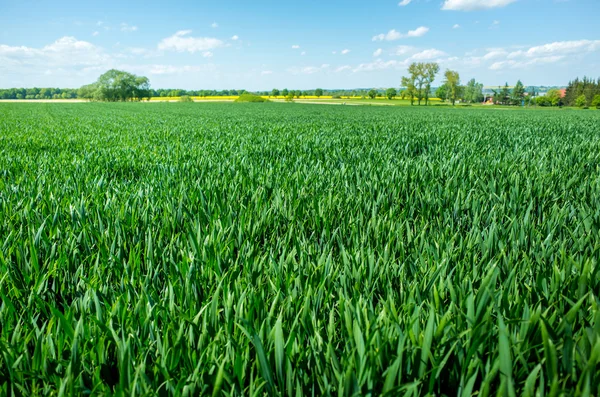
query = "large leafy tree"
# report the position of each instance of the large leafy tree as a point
(452, 83)
(391, 93)
(421, 77)
(430, 70)
(117, 86)
(411, 89)
(518, 93)
(473, 92)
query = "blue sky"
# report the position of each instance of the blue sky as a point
(262, 44)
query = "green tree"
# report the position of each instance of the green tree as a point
(473, 92)
(452, 82)
(421, 77)
(504, 96)
(442, 92)
(411, 89)
(391, 93)
(275, 92)
(580, 101)
(518, 93)
(416, 79)
(116, 85)
(285, 92)
(596, 102)
(554, 98)
(430, 69)
(319, 92)
(289, 97)
(372, 94)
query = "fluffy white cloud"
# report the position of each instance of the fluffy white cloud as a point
(456, 26)
(424, 55)
(560, 47)
(207, 54)
(266, 72)
(404, 50)
(378, 52)
(345, 51)
(303, 53)
(128, 28)
(182, 42)
(472, 5)
(512, 64)
(295, 46)
(404, 3)
(495, 53)
(395, 35)
(235, 37)
(66, 51)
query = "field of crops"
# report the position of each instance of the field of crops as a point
(287, 249)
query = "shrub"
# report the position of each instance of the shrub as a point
(185, 98)
(250, 98)
(596, 102)
(580, 101)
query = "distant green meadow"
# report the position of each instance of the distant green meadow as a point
(289, 249)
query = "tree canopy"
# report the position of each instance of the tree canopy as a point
(419, 82)
(117, 86)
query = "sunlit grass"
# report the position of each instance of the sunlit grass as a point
(244, 249)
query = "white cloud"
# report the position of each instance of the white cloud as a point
(95, 33)
(473, 5)
(214, 25)
(65, 53)
(404, 49)
(378, 65)
(404, 3)
(512, 64)
(564, 47)
(207, 54)
(266, 72)
(303, 53)
(235, 37)
(182, 42)
(308, 69)
(295, 46)
(378, 52)
(346, 51)
(128, 28)
(456, 26)
(343, 68)
(395, 35)
(334, 52)
(496, 53)
(424, 55)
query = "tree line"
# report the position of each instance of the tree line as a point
(116, 85)
(583, 93)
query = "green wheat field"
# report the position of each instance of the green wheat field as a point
(287, 249)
